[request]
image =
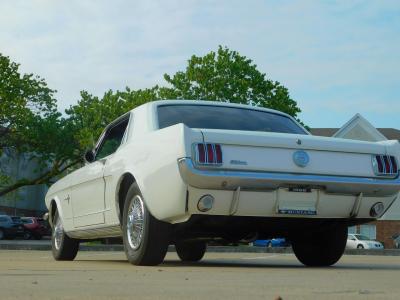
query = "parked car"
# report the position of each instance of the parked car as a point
(278, 242)
(34, 228)
(184, 172)
(396, 240)
(359, 241)
(10, 227)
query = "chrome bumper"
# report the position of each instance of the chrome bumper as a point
(220, 179)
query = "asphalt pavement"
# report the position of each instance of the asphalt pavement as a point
(107, 275)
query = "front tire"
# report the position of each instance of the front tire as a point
(360, 246)
(191, 251)
(2, 235)
(320, 249)
(145, 238)
(62, 246)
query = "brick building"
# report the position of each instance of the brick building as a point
(358, 128)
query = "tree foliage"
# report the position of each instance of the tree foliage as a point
(227, 76)
(30, 122)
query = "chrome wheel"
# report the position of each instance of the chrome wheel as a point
(135, 222)
(58, 232)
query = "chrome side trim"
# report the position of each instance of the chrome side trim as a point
(218, 179)
(96, 233)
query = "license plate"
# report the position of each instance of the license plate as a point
(288, 211)
(297, 201)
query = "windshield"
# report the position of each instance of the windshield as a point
(223, 117)
(27, 221)
(362, 237)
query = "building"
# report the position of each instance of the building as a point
(28, 200)
(358, 128)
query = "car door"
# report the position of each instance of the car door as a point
(88, 184)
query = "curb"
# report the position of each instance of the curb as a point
(10, 245)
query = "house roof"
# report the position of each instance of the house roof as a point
(389, 133)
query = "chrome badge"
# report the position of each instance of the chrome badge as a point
(301, 158)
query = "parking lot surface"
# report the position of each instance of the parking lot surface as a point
(107, 275)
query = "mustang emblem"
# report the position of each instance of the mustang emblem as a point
(301, 158)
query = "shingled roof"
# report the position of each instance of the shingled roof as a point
(389, 133)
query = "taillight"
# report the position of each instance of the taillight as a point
(208, 154)
(385, 165)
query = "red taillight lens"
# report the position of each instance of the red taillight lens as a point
(208, 154)
(201, 153)
(385, 165)
(380, 164)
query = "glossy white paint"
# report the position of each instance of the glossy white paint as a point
(151, 156)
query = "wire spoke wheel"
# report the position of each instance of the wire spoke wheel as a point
(135, 222)
(58, 233)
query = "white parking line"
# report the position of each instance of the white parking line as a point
(262, 257)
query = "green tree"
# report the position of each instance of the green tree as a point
(91, 114)
(30, 123)
(227, 76)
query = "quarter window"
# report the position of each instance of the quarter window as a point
(112, 139)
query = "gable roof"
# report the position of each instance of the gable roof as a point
(358, 127)
(389, 133)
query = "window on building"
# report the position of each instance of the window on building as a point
(352, 230)
(368, 230)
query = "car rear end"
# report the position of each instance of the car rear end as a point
(261, 163)
(17, 226)
(258, 174)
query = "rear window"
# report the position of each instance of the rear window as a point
(223, 117)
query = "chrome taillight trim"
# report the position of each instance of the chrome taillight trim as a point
(388, 163)
(207, 162)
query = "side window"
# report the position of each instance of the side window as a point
(112, 139)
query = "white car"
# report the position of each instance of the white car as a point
(187, 172)
(359, 241)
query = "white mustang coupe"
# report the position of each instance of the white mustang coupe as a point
(189, 172)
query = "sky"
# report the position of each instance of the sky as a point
(337, 58)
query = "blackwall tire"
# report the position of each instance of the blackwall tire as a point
(63, 247)
(360, 247)
(145, 238)
(27, 235)
(2, 235)
(321, 249)
(191, 251)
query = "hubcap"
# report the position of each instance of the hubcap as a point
(58, 233)
(135, 222)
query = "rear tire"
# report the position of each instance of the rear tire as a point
(63, 247)
(145, 238)
(323, 248)
(360, 246)
(27, 235)
(191, 251)
(1, 234)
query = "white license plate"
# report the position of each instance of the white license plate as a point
(297, 202)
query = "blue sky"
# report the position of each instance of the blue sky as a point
(337, 58)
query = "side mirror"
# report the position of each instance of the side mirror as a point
(89, 156)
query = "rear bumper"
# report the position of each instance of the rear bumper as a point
(218, 179)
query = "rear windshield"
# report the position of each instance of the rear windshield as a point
(223, 117)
